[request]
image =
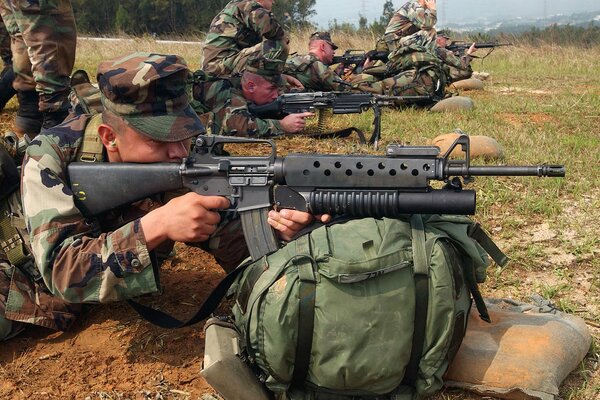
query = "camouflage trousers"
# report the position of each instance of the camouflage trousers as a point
(43, 41)
(236, 63)
(456, 74)
(416, 82)
(5, 52)
(8, 328)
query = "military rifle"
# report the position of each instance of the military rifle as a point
(460, 46)
(357, 58)
(392, 185)
(338, 102)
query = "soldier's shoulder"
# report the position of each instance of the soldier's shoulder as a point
(65, 137)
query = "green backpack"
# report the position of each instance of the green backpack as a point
(371, 308)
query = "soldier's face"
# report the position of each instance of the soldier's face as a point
(267, 4)
(328, 53)
(260, 91)
(132, 146)
(441, 41)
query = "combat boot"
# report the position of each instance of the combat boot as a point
(6, 89)
(29, 118)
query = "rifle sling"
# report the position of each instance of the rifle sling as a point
(167, 321)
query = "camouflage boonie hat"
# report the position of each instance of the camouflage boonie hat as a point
(149, 92)
(326, 36)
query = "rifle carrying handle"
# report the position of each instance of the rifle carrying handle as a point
(259, 235)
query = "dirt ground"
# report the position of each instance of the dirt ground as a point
(111, 353)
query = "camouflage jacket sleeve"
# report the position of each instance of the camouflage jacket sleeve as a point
(237, 120)
(313, 74)
(410, 18)
(421, 17)
(76, 264)
(262, 21)
(449, 58)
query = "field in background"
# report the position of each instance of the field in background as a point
(542, 104)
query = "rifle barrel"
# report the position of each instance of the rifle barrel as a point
(495, 170)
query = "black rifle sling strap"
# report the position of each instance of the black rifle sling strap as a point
(165, 320)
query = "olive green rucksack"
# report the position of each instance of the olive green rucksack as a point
(371, 308)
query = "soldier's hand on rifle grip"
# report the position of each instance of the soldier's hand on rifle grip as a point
(187, 218)
(295, 123)
(288, 223)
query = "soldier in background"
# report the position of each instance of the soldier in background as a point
(413, 21)
(243, 29)
(116, 256)
(459, 67)
(223, 104)
(312, 69)
(43, 46)
(6, 76)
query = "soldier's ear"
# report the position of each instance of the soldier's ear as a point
(251, 86)
(108, 136)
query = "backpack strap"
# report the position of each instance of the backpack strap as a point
(307, 275)
(421, 276)
(476, 232)
(91, 149)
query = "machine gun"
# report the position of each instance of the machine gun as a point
(357, 58)
(351, 185)
(338, 102)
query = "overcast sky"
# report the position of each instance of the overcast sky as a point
(450, 11)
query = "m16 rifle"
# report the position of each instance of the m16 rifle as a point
(350, 185)
(461, 47)
(338, 102)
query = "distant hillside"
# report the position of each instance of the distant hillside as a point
(517, 25)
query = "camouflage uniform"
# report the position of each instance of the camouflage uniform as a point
(104, 259)
(43, 45)
(458, 68)
(224, 110)
(313, 74)
(411, 22)
(5, 52)
(241, 30)
(7, 75)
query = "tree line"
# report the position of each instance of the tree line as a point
(164, 17)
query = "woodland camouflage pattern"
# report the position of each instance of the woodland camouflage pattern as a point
(5, 52)
(224, 111)
(242, 29)
(457, 68)
(407, 21)
(103, 259)
(150, 92)
(46, 32)
(313, 74)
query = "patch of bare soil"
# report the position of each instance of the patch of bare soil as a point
(518, 120)
(111, 353)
